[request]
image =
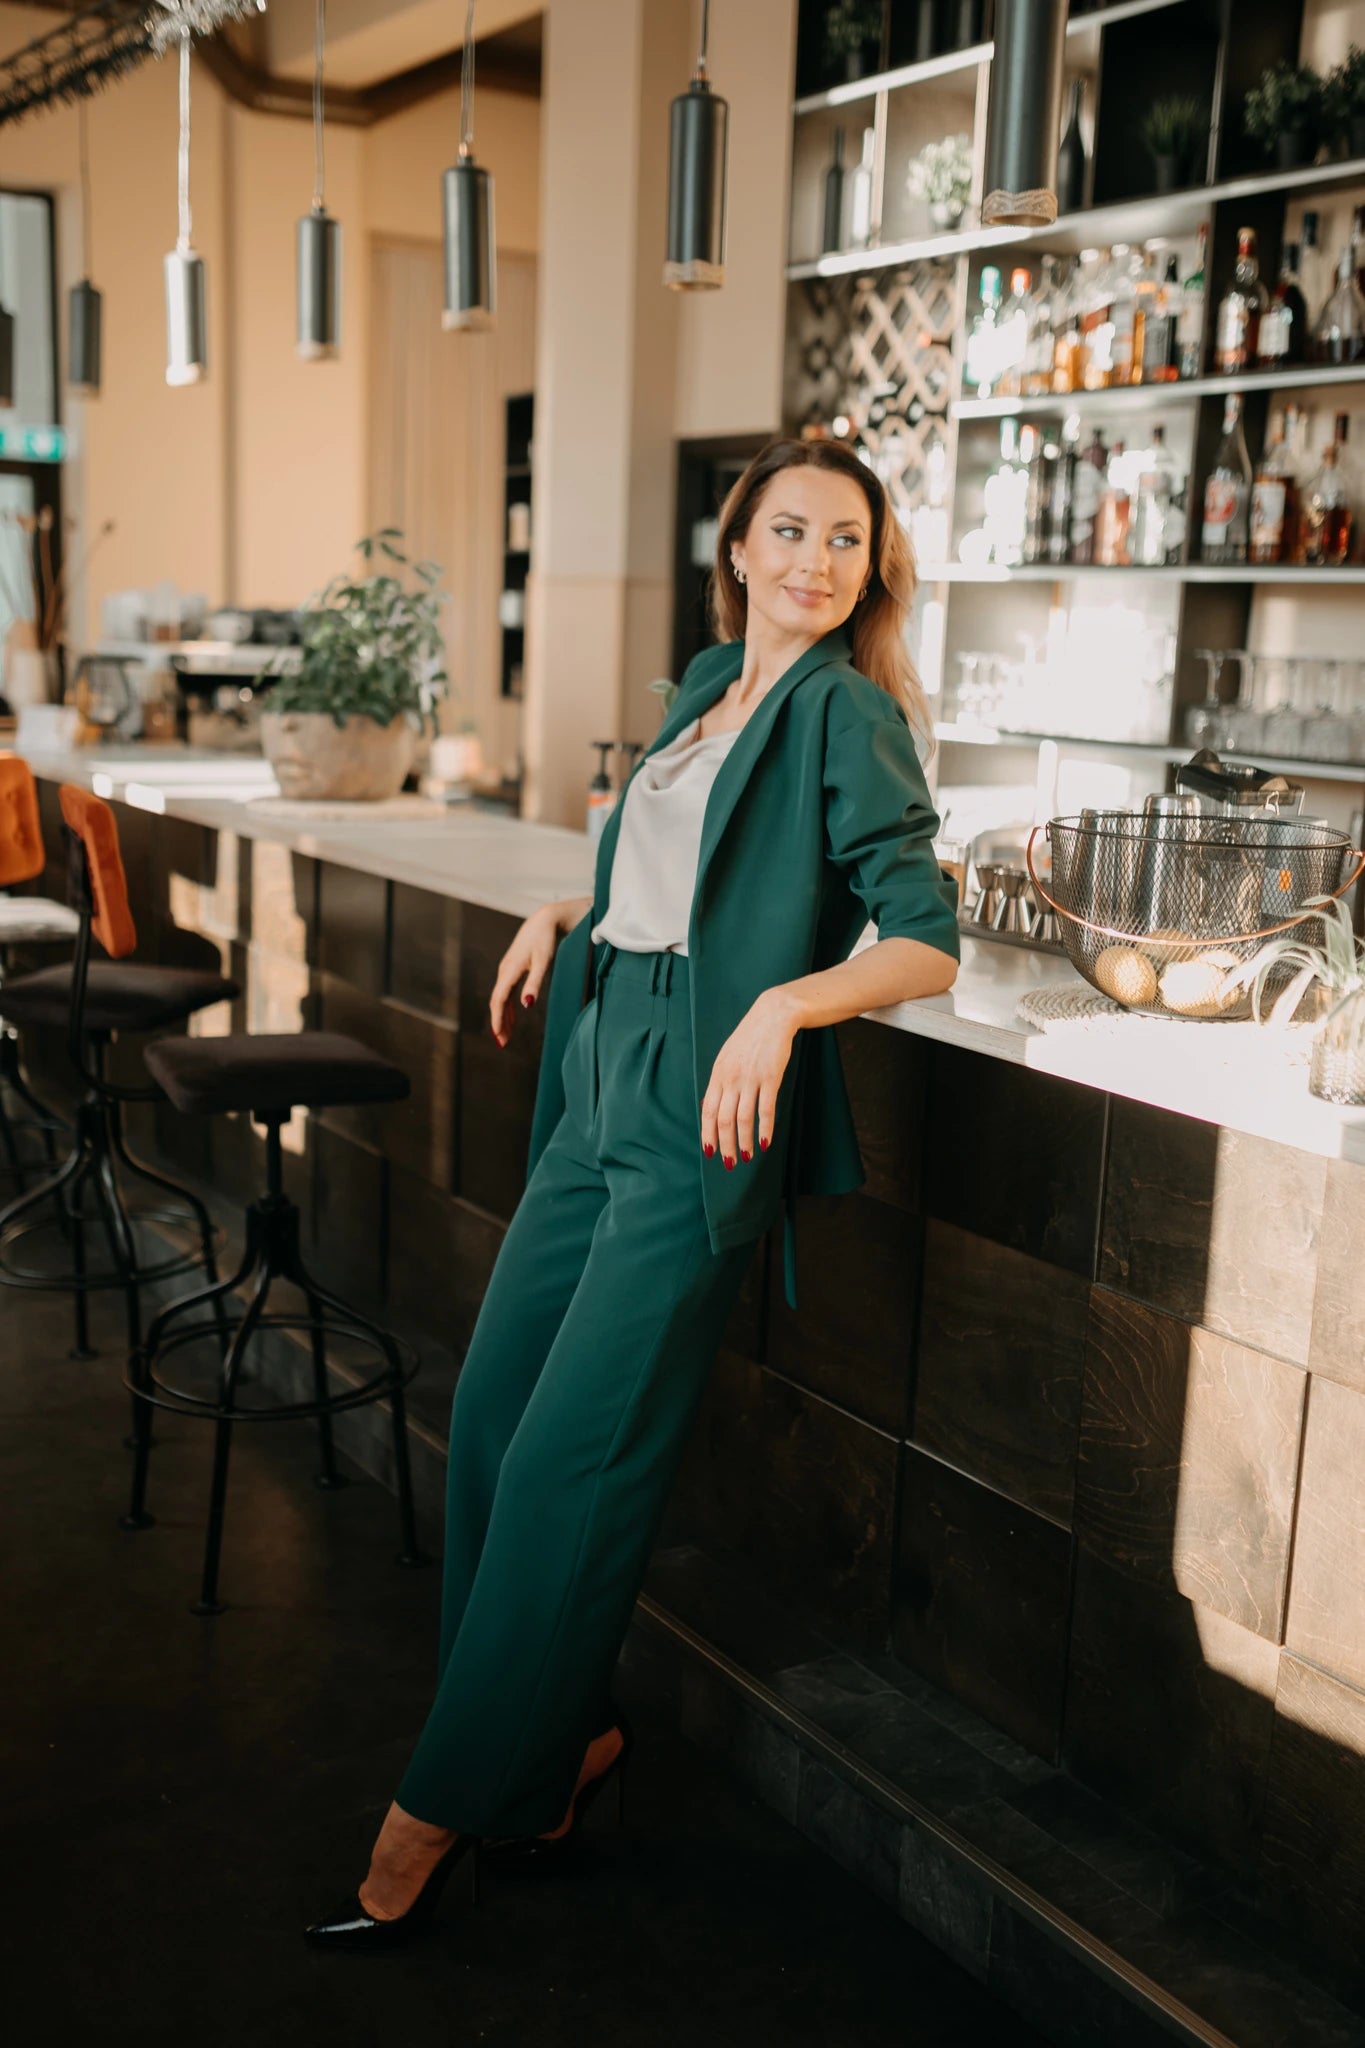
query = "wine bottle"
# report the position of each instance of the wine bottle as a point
(1326, 524)
(1071, 156)
(1284, 324)
(1239, 313)
(832, 237)
(1227, 492)
(1087, 490)
(1274, 495)
(1339, 331)
(1190, 328)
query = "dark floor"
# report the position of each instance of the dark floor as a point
(178, 1795)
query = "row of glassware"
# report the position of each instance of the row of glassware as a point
(1051, 690)
(1283, 707)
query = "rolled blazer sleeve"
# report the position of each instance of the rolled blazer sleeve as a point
(880, 826)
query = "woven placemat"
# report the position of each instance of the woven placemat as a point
(313, 810)
(1047, 1008)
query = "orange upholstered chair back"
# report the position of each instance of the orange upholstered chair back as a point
(91, 819)
(21, 838)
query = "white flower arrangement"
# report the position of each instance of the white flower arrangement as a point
(942, 172)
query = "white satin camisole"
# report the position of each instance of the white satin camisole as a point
(654, 868)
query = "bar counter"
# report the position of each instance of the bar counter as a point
(1070, 1424)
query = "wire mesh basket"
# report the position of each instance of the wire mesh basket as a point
(1158, 911)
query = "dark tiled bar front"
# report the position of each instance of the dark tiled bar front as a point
(1016, 1566)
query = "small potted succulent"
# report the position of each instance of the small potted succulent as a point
(1173, 130)
(1327, 981)
(853, 31)
(1343, 97)
(345, 723)
(941, 175)
(1284, 113)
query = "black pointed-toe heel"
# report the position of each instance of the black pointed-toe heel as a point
(352, 1927)
(513, 1854)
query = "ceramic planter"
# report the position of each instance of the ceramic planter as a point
(315, 758)
(946, 215)
(1167, 173)
(1294, 147)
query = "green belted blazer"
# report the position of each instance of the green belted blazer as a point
(819, 820)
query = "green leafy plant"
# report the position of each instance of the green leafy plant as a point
(1175, 126)
(1288, 98)
(942, 172)
(372, 645)
(849, 24)
(1337, 965)
(1343, 91)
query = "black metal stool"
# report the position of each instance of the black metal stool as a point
(96, 1002)
(27, 921)
(269, 1076)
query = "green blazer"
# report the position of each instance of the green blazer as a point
(818, 820)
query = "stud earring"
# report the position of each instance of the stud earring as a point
(863, 592)
(740, 575)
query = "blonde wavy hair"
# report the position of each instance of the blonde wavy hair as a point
(877, 626)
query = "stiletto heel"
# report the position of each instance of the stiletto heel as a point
(513, 1853)
(352, 1927)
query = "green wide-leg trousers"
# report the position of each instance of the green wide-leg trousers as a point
(588, 1358)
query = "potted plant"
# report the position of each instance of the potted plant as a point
(1343, 98)
(1327, 979)
(1284, 113)
(852, 28)
(346, 721)
(1173, 130)
(941, 175)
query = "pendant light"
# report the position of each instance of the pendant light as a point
(1024, 114)
(187, 330)
(698, 124)
(86, 306)
(319, 254)
(6, 340)
(471, 280)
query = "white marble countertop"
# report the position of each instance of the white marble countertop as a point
(1237, 1075)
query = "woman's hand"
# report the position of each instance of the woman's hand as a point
(746, 1077)
(530, 954)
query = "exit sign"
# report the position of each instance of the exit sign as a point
(33, 444)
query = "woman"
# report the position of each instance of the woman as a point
(690, 1089)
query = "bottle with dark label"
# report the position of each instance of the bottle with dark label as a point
(1237, 333)
(833, 232)
(1085, 499)
(1284, 324)
(1160, 319)
(1227, 492)
(1190, 327)
(1274, 501)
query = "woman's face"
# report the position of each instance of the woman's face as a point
(808, 551)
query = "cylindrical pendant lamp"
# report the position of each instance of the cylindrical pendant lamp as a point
(319, 239)
(468, 232)
(187, 327)
(85, 308)
(1024, 120)
(697, 137)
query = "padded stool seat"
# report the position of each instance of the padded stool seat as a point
(117, 997)
(35, 920)
(270, 1073)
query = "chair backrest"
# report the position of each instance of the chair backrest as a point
(104, 897)
(21, 835)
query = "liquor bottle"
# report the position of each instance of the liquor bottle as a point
(1284, 324)
(1013, 331)
(1114, 513)
(1153, 498)
(1067, 349)
(1042, 307)
(859, 232)
(1085, 499)
(1339, 331)
(1097, 323)
(1071, 156)
(1309, 257)
(1239, 313)
(832, 235)
(983, 343)
(1038, 504)
(1358, 247)
(1326, 522)
(1274, 501)
(1160, 319)
(1125, 347)
(1190, 326)
(1063, 492)
(1005, 494)
(1228, 491)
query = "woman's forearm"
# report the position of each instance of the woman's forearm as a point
(568, 911)
(892, 971)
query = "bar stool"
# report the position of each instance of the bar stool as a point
(24, 921)
(97, 1001)
(268, 1075)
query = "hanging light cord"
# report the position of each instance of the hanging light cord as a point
(87, 231)
(318, 206)
(467, 86)
(705, 21)
(182, 240)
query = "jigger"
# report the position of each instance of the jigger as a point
(1013, 914)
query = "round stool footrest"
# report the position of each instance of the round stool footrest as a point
(179, 1401)
(104, 1279)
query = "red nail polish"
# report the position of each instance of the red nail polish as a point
(763, 1144)
(745, 1156)
(527, 1001)
(709, 1150)
(729, 1164)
